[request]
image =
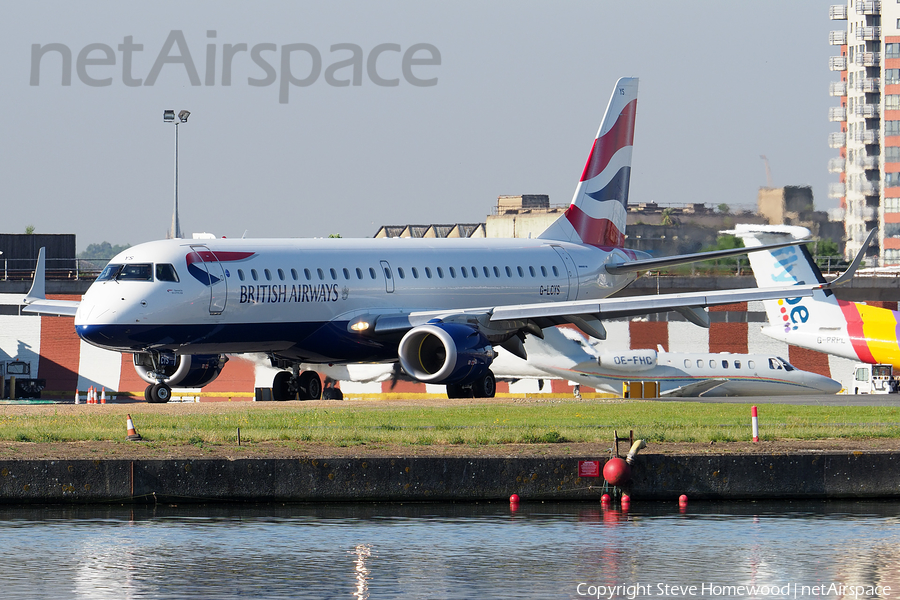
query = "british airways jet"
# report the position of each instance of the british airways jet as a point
(438, 306)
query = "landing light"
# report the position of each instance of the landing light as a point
(360, 326)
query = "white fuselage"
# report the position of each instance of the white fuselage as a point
(297, 297)
(727, 374)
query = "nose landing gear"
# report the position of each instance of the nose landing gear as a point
(158, 393)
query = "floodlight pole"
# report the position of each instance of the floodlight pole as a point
(169, 117)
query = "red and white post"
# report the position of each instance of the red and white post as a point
(755, 422)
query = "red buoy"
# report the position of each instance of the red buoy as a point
(514, 499)
(682, 499)
(604, 499)
(616, 471)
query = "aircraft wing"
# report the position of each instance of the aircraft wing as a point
(646, 264)
(36, 300)
(693, 390)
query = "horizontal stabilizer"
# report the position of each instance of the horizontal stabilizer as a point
(632, 266)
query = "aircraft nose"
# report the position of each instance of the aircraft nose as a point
(826, 385)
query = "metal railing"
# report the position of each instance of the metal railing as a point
(57, 269)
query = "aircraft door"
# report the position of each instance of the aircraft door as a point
(570, 271)
(388, 277)
(205, 267)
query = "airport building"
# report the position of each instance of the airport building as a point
(868, 142)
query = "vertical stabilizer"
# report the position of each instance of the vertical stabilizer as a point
(598, 210)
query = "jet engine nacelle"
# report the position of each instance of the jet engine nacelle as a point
(445, 353)
(628, 360)
(181, 370)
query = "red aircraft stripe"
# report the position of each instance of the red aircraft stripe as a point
(605, 146)
(596, 232)
(855, 330)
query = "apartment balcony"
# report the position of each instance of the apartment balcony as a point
(837, 38)
(836, 190)
(869, 85)
(868, 188)
(869, 34)
(837, 12)
(867, 59)
(868, 111)
(837, 63)
(836, 165)
(869, 163)
(868, 7)
(837, 88)
(868, 136)
(837, 140)
(837, 114)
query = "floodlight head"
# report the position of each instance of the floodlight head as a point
(168, 116)
(183, 116)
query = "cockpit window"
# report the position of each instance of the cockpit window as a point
(109, 272)
(135, 272)
(787, 366)
(166, 272)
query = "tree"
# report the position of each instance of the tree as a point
(29, 230)
(102, 250)
(667, 219)
(723, 208)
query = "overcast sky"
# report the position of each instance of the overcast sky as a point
(518, 97)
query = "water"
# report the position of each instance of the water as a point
(544, 550)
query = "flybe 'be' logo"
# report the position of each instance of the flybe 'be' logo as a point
(792, 311)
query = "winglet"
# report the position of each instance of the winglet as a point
(38, 290)
(851, 270)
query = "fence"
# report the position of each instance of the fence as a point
(57, 268)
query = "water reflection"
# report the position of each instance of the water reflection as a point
(443, 550)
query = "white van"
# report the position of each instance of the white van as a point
(871, 379)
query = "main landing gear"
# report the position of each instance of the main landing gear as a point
(483, 387)
(295, 385)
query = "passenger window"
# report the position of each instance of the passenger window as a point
(465, 273)
(415, 273)
(751, 364)
(401, 273)
(166, 272)
(428, 272)
(544, 271)
(346, 273)
(281, 274)
(452, 273)
(321, 274)
(387, 273)
(724, 364)
(687, 363)
(371, 273)
(307, 274)
(555, 271)
(508, 272)
(358, 273)
(240, 274)
(531, 270)
(254, 274)
(737, 364)
(496, 272)
(712, 364)
(699, 364)
(294, 275)
(521, 271)
(333, 274)
(267, 274)
(440, 272)
(475, 272)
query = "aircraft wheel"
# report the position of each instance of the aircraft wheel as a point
(454, 391)
(310, 385)
(147, 391)
(160, 393)
(281, 387)
(485, 386)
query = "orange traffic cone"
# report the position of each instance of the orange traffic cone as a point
(133, 435)
(103, 395)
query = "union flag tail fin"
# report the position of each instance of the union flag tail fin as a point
(597, 213)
